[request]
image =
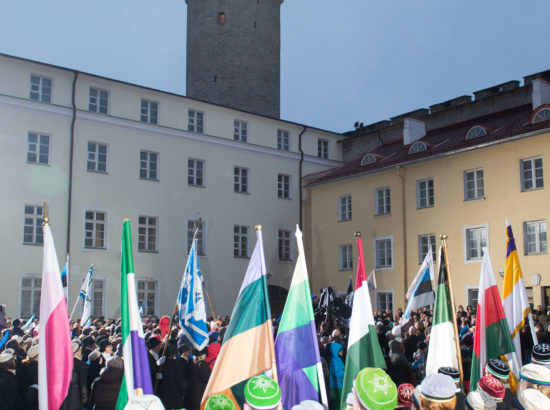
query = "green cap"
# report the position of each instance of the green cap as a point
(375, 389)
(261, 392)
(219, 402)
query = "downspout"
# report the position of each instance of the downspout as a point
(71, 154)
(300, 172)
(400, 172)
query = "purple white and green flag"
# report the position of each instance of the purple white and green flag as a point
(296, 346)
(137, 377)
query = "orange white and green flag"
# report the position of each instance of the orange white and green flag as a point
(515, 303)
(246, 348)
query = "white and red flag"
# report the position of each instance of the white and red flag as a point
(55, 359)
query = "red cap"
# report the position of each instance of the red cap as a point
(405, 393)
(164, 325)
(492, 387)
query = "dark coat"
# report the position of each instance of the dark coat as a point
(200, 373)
(78, 390)
(153, 368)
(175, 385)
(27, 376)
(10, 395)
(105, 389)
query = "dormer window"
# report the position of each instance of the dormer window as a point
(476, 132)
(221, 18)
(417, 146)
(542, 114)
(368, 159)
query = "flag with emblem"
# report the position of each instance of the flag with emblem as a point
(363, 347)
(300, 370)
(491, 337)
(86, 295)
(247, 348)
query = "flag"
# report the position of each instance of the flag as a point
(5, 338)
(142, 308)
(86, 295)
(363, 347)
(192, 311)
(137, 376)
(65, 278)
(296, 346)
(348, 299)
(246, 348)
(55, 357)
(492, 337)
(420, 292)
(515, 303)
(26, 325)
(371, 281)
(442, 350)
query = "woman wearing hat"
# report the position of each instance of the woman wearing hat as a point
(77, 395)
(10, 395)
(27, 376)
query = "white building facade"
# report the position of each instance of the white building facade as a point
(99, 151)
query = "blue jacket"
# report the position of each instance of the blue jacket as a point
(336, 367)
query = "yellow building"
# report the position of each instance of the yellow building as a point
(461, 169)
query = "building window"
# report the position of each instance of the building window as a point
(192, 225)
(149, 111)
(383, 253)
(542, 115)
(240, 179)
(97, 157)
(417, 146)
(32, 230)
(148, 165)
(240, 131)
(38, 149)
(221, 18)
(425, 193)
(30, 295)
(383, 201)
(476, 240)
(196, 121)
(147, 233)
(195, 172)
(283, 186)
(98, 298)
(94, 229)
(384, 301)
(41, 89)
(426, 243)
(368, 159)
(147, 295)
(531, 174)
(283, 239)
(240, 241)
(344, 208)
(322, 148)
(283, 140)
(345, 257)
(534, 237)
(473, 297)
(99, 100)
(476, 132)
(473, 185)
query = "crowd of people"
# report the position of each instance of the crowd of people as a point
(180, 374)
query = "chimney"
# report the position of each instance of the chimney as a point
(541, 92)
(413, 130)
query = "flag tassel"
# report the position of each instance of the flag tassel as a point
(458, 351)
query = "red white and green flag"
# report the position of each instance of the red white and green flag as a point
(492, 337)
(363, 347)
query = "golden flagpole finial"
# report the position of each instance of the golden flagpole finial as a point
(443, 237)
(258, 227)
(357, 234)
(45, 217)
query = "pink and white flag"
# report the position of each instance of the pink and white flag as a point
(55, 358)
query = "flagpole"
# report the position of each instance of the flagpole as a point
(270, 338)
(458, 352)
(74, 308)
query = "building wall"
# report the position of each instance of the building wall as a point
(121, 193)
(450, 215)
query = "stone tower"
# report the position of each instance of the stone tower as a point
(234, 53)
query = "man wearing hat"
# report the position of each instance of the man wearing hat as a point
(153, 354)
(540, 354)
(262, 393)
(437, 391)
(373, 389)
(200, 373)
(10, 395)
(77, 395)
(27, 377)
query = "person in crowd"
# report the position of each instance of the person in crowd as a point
(106, 387)
(200, 374)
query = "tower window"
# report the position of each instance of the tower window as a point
(221, 18)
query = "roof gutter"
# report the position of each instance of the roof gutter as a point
(71, 158)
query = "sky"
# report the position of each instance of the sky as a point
(342, 61)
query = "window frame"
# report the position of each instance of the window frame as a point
(238, 176)
(98, 98)
(467, 251)
(241, 242)
(148, 169)
(85, 220)
(386, 199)
(284, 245)
(538, 235)
(284, 186)
(103, 290)
(192, 171)
(375, 242)
(345, 210)
(97, 154)
(40, 91)
(146, 291)
(432, 243)
(238, 127)
(345, 256)
(202, 237)
(144, 240)
(37, 231)
(38, 145)
(385, 292)
(147, 116)
(283, 140)
(194, 124)
(322, 148)
(427, 189)
(476, 182)
(35, 292)
(533, 179)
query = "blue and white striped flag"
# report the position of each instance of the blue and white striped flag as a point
(86, 295)
(192, 310)
(65, 278)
